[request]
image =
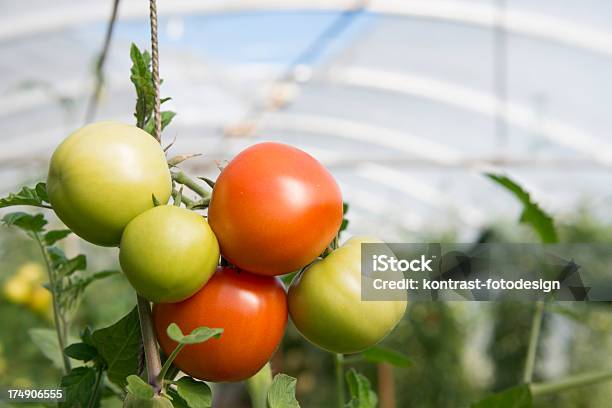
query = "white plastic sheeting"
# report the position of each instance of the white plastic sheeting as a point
(407, 102)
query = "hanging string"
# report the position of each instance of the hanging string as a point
(155, 68)
(153, 361)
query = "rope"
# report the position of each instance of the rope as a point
(155, 68)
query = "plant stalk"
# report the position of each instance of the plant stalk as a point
(570, 382)
(339, 365)
(169, 361)
(94, 394)
(150, 346)
(57, 319)
(536, 325)
(258, 386)
(185, 180)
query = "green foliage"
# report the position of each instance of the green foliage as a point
(532, 214)
(47, 343)
(194, 394)
(36, 196)
(81, 351)
(31, 224)
(345, 221)
(66, 285)
(78, 385)
(198, 335)
(516, 397)
(282, 392)
(51, 237)
(378, 354)
(166, 118)
(142, 79)
(360, 391)
(119, 346)
(138, 388)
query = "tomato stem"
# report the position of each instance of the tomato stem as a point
(258, 386)
(186, 200)
(150, 345)
(339, 365)
(536, 325)
(168, 362)
(570, 382)
(181, 178)
(57, 318)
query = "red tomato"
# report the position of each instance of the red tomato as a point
(251, 309)
(274, 209)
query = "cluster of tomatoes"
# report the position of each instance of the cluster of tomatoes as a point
(274, 210)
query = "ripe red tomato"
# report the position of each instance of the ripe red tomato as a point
(274, 209)
(251, 309)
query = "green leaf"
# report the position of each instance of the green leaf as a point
(51, 237)
(32, 223)
(41, 191)
(516, 397)
(360, 391)
(282, 392)
(532, 214)
(119, 346)
(85, 336)
(138, 388)
(143, 83)
(69, 266)
(142, 79)
(208, 181)
(81, 352)
(36, 196)
(82, 283)
(177, 401)
(78, 384)
(46, 341)
(196, 394)
(379, 354)
(155, 201)
(345, 222)
(198, 335)
(166, 118)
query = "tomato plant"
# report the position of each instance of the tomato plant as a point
(102, 176)
(168, 253)
(326, 307)
(132, 401)
(274, 209)
(251, 310)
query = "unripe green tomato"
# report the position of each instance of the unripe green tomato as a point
(158, 401)
(168, 253)
(102, 176)
(326, 307)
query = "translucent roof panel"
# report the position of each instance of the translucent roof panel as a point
(407, 102)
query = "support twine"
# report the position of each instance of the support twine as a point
(155, 68)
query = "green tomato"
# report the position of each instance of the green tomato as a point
(168, 253)
(158, 401)
(102, 176)
(326, 307)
